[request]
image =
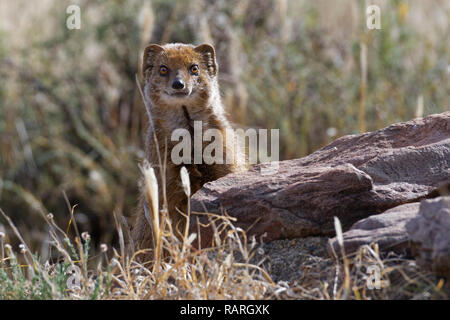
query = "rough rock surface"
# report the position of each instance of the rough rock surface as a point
(387, 229)
(354, 177)
(430, 235)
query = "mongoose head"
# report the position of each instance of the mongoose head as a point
(179, 74)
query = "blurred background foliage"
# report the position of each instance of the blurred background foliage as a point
(71, 120)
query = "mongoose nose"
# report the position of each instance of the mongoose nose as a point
(178, 84)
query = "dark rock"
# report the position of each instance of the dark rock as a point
(354, 177)
(386, 229)
(430, 235)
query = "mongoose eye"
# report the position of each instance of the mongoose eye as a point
(194, 69)
(163, 70)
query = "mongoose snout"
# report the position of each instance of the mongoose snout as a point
(178, 84)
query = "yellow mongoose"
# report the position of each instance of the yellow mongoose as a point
(181, 88)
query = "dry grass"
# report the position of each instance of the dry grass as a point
(223, 272)
(234, 268)
(177, 270)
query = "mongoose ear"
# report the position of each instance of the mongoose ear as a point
(209, 57)
(150, 52)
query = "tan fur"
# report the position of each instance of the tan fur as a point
(202, 102)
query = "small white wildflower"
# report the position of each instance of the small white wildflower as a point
(185, 181)
(227, 261)
(331, 132)
(8, 247)
(2, 235)
(338, 228)
(191, 238)
(95, 176)
(103, 247)
(85, 235)
(50, 216)
(280, 290)
(22, 248)
(151, 194)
